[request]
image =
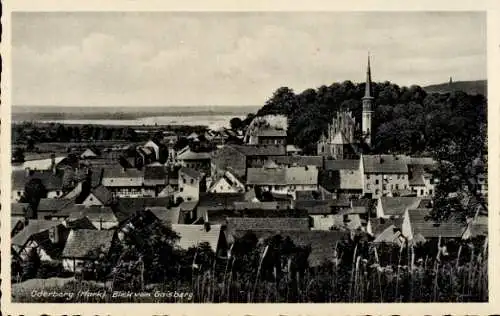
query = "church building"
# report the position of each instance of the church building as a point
(340, 143)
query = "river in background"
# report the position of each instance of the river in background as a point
(212, 121)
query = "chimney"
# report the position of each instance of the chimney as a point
(206, 226)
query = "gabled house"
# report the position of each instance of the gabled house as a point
(417, 225)
(101, 217)
(127, 207)
(51, 179)
(155, 179)
(226, 183)
(387, 231)
(283, 180)
(383, 174)
(191, 184)
(342, 177)
(199, 161)
(268, 135)
(86, 245)
(167, 215)
(421, 181)
(89, 154)
(124, 182)
(45, 236)
(53, 209)
(216, 202)
(194, 235)
(394, 207)
(99, 196)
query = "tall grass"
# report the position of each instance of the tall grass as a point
(462, 277)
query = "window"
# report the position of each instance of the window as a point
(368, 186)
(384, 187)
(377, 192)
(422, 192)
(192, 181)
(58, 192)
(181, 189)
(430, 191)
(368, 176)
(91, 198)
(18, 193)
(376, 181)
(397, 186)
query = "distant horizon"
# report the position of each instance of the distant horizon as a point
(234, 106)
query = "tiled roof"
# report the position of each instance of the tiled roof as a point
(34, 226)
(103, 194)
(127, 207)
(386, 164)
(190, 172)
(51, 181)
(261, 150)
(270, 132)
(346, 164)
(219, 200)
(18, 209)
(321, 206)
(283, 176)
(191, 155)
(323, 243)
(155, 172)
(421, 224)
(274, 205)
(389, 235)
(53, 205)
(119, 177)
(378, 225)
(302, 175)
(166, 215)
(267, 223)
(82, 241)
(398, 205)
(95, 213)
(193, 235)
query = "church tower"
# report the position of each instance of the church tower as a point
(367, 107)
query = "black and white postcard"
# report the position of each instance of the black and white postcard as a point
(214, 155)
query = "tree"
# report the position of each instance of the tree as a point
(31, 264)
(18, 155)
(34, 191)
(236, 123)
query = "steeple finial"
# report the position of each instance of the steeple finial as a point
(368, 79)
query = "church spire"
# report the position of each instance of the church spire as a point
(367, 107)
(368, 79)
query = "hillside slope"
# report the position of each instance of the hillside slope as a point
(470, 87)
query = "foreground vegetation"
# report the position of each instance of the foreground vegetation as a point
(426, 282)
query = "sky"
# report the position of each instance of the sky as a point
(238, 58)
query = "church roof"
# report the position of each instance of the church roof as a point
(340, 139)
